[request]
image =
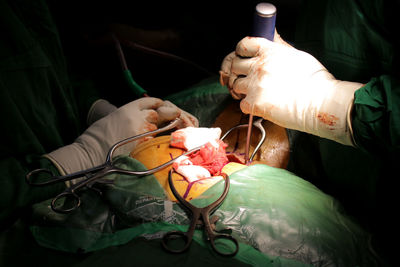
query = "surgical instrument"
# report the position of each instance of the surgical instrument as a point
(247, 147)
(256, 123)
(263, 26)
(201, 216)
(264, 21)
(94, 174)
(137, 89)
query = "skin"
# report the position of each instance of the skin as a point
(274, 151)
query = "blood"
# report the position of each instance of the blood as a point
(327, 119)
(205, 163)
(210, 157)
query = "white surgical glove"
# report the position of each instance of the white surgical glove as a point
(139, 116)
(290, 88)
(98, 110)
(168, 111)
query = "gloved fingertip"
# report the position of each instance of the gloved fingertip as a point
(151, 116)
(149, 103)
(232, 79)
(223, 78)
(195, 121)
(245, 106)
(236, 95)
(167, 113)
(227, 62)
(168, 103)
(189, 120)
(148, 127)
(250, 46)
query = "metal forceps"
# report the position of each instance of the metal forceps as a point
(200, 216)
(257, 124)
(93, 175)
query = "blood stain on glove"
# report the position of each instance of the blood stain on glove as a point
(327, 119)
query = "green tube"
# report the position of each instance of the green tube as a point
(138, 90)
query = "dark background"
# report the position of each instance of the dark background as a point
(202, 33)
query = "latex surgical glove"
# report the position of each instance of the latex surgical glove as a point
(290, 88)
(99, 109)
(168, 111)
(139, 116)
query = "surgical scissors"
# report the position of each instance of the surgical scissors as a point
(200, 216)
(94, 174)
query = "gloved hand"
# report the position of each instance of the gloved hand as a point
(98, 110)
(168, 112)
(139, 116)
(290, 88)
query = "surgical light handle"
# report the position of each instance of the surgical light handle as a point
(264, 21)
(263, 26)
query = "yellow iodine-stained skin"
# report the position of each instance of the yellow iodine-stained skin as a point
(157, 151)
(275, 150)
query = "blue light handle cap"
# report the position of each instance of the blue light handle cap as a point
(264, 21)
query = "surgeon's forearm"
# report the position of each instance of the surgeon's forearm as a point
(376, 116)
